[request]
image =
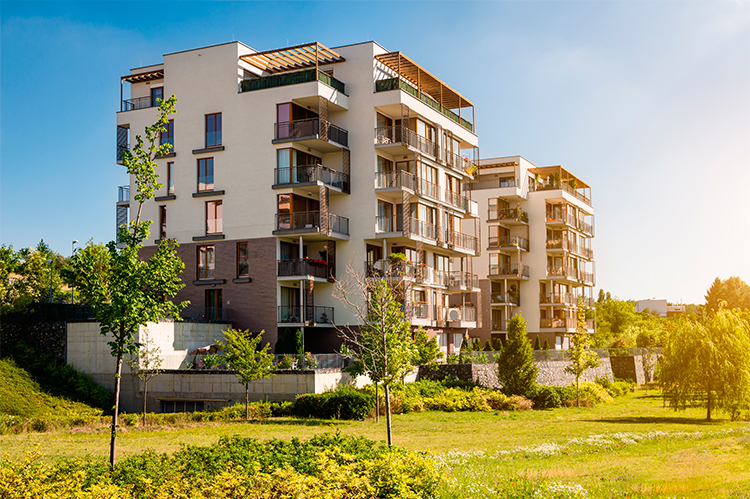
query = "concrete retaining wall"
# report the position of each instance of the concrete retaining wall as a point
(629, 367)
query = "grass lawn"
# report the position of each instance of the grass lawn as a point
(631, 448)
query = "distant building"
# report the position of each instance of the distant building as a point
(660, 307)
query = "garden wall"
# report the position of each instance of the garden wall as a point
(628, 367)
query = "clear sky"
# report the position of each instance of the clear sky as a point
(649, 102)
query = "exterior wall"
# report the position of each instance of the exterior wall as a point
(658, 306)
(629, 367)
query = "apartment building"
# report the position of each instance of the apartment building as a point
(537, 227)
(289, 166)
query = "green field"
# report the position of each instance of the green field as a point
(630, 448)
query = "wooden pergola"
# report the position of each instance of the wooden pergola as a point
(425, 82)
(291, 58)
(157, 74)
(565, 176)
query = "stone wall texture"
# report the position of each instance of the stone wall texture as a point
(628, 367)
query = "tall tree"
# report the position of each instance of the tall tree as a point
(730, 293)
(146, 363)
(427, 351)
(249, 361)
(706, 362)
(516, 368)
(581, 358)
(124, 291)
(382, 348)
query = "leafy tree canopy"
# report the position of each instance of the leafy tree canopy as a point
(729, 293)
(516, 368)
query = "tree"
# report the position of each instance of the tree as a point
(426, 350)
(537, 343)
(382, 348)
(243, 354)
(146, 363)
(124, 291)
(706, 362)
(29, 275)
(516, 368)
(581, 358)
(733, 292)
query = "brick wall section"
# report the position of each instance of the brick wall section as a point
(628, 367)
(253, 303)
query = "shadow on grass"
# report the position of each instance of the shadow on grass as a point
(655, 420)
(302, 422)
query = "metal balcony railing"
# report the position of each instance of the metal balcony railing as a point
(305, 315)
(390, 223)
(508, 214)
(395, 179)
(300, 267)
(311, 220)
(311, 173)
(423, 229)
(462, 280)
(508, 242)
(399, 270)
(139, 103)
(498, 297)
(123, 193)
(461, 240)
(291, 78)
(509, 270)
(312, 127)
(195, 313)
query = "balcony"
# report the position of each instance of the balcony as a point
(459, 240)
(565, 272)
(462, 281)
(459, 316)
(396, 271)
(395, 180)
(508, 298)
(508, 216)
(310, 175)
(568, 324)
(509, 271)
(399, 140)
(309, 222)
(561, 219)
(194, 313)
(585, 227)
(291, 78)
(123, 195)
(423, 229)
(566, 299)
(509, 242)
(578, 193)
(387, 224)
(499, 325)
(312, 270)
(315, 133)
(460, 201)
(139, 103)
(305, 316)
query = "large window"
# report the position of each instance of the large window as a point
(243, 266)
(295, 166)
(205, 174)
(156, 93)
(213, 304)
(167, 136)
(162, 222)
(213, 129)
(213, 217)
(170, 178)
(206, 262)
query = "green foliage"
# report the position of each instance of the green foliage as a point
(212, 361)
(615, 388)
(537, 343)
(25, 276)
(581, 358)
(344, 403)
(546, 345)
(730, 293)
(289, 342)
(22, 396)
(427, 351)
(516, 368)
(707, 363)
(546, 397)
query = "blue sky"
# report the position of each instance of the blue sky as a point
(649, 102)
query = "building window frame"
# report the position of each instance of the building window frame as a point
(205, 176)
(167, 136)
(243, 263)
(206, 261)
(170, 178)
(213, 130)
(214, 218)
(162, 222)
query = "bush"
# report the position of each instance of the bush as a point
(615, 388)
(545, 397)
(345, 403)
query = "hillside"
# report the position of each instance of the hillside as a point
(21, 395)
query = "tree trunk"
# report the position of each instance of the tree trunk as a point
(388, 414)
(709, 403)
(377, 404)
(247, 401)
(578, 394)
(145, 394)
(113, 437)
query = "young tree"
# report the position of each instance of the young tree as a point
(146, 363)
(537, 343)
(427, 351)
(250, 362)
(707, 363)
(382, 348)
(516, 368)
(581, 358)
(124, 291)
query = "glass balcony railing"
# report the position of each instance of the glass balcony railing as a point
(311, 174)
(513, 270)
(305, 315)
(303, 267)
(508, 214)
(313, 127)
(508, 242)
(310, 220)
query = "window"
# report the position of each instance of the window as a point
(170, 178)
(205, 174)
(295, 166)
(156, 93)
(162, 222)
(167, 137)
(213, 217)
(213, 304)
(243, 266)
(206, 262)
(213, 129)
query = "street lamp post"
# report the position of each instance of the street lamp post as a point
(72, 289)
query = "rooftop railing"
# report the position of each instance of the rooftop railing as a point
(291, 78)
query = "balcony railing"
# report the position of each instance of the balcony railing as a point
(427, 188)
(311, 173)
(508, 297)
(305, 315)
(465, 314)
(585, 227)
(437, 277)
(423, 229)
(123, 194)
(509, 270)
(396, 83)
(567, 323)
(462, 280)
(550, 186)
(567, 272)
(458, 200)
(586, 278)
(407, 137)
(312, 127)
(292, 78)
(395, 179)
(391, 223)
(417, 310)
(509, 214)
(509, 241)
(499, 325)
(194, 313)
(311, 220)
(399, 270)
(561, 218)
(461, 240)
(558, 299)
(298, 267)
(139, 103)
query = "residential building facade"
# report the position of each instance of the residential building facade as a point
(290, 166)
(537, 228)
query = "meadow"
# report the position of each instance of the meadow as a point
(633, 447)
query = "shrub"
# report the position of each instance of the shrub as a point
(521, 403)
(545, 397)
(345, 403)
(498, 401)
